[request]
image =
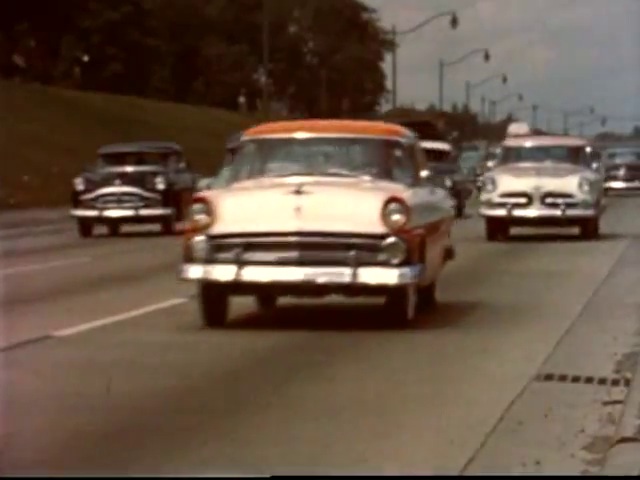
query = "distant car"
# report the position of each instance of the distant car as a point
(321, 207)
(132, 183)
(444, 171)
(470, 163)
(622, 169)
(543, 181)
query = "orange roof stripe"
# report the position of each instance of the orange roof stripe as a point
(337, 127)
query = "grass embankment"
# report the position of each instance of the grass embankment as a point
(49, 135)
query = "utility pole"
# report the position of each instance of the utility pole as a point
(394, 67)
(265, 57)
(534, 115)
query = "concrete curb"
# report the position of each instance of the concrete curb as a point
(624, 457)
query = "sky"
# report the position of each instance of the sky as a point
(560, 54)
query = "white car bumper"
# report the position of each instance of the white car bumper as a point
(539, 212)
(622, 185)
(121, 213)
(365, 276)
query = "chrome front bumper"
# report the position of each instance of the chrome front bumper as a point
(121, 213)
(539, 212)
(302, 275)
(622, 185)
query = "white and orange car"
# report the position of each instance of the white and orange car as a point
(321, 207)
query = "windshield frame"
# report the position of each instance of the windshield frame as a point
(583, 158)
(152, 159)
(255, 167)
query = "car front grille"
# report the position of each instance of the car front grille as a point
(127, 200)
(558, 199)
(520, 199)
(297, 249)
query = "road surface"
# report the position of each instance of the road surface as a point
(524, 367)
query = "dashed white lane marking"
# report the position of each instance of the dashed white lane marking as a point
(119, 318)
(43, 266)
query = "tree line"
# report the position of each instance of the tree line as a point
(325, 56)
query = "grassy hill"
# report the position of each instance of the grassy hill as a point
(49, 135)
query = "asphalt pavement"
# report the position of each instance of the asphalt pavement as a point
(525, 366)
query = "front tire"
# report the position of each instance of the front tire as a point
(496, 229)
(401, 306)
(427, 298)
(590, 229)
(114, 229)
(266, 302)
(85, 228)
(214, 305)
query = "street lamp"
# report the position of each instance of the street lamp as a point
(442, 64)
(493, 104)
(265, 57)
(469, 87)
(454, 21)
(586, 110)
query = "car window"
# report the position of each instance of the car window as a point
(326, 156)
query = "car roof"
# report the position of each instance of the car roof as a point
(143, 146)
(436, 145)
(545, 141)
(328, 127)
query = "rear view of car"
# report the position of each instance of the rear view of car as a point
(622, 169)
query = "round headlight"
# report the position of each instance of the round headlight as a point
(448, 182)
(585, 185)
(489, 184)
(394, 250)
(79, 184)
(199, 247)
(200, 215)
(395, 214)
(160, 182)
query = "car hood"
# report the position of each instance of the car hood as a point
(538, 170)
(302, 204)
(134, 176)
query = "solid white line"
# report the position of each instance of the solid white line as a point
(119, 318)
(43, 266)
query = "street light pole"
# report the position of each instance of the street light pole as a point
(442, 64)
(469, 87)
(453, 22)
(265, 57)
(534, 115)
(495, 103)
(588, 110)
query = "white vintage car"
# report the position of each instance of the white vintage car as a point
(543, 181)
(321, 207)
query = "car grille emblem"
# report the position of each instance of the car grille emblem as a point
(117, 181)
(299, 190)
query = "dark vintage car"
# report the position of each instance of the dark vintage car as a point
(621, 169)
(444, 170)
(137, 182)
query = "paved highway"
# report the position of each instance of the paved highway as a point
(105, 369)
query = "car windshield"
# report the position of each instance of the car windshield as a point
(137, 159)
(470, 159)
(622, 156)
(325, 156)
(436, 155)
(540, 154)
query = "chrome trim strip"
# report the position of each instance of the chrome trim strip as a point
(314, 275)
(622, 184)
(119, 189)
(120, 212)
(289, 239)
